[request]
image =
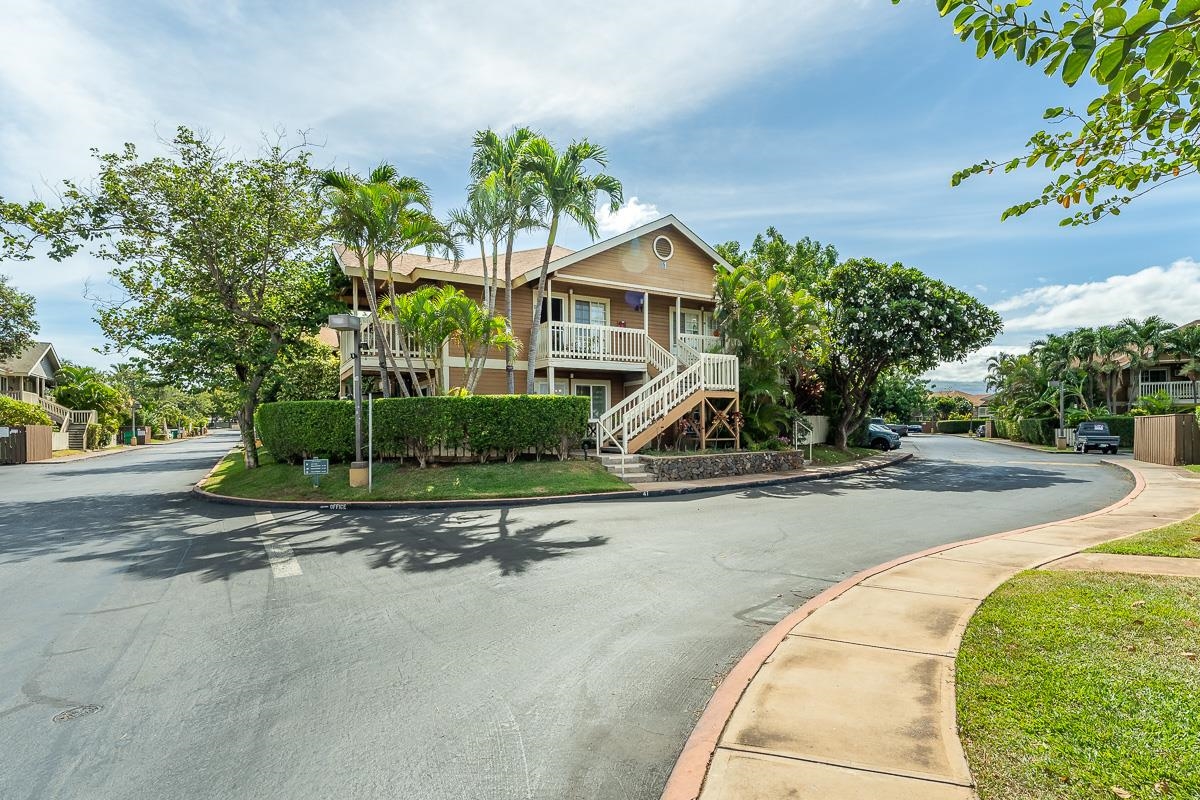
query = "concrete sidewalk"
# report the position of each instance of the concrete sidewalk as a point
(112, 451)
(852, 695)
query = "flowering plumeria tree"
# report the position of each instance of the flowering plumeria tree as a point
(880, 316)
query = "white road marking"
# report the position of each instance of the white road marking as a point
(279, 554)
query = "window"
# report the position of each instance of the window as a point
(556, 308)
(598, 392)
(542, 386)
(1154, 376)
(591, 312)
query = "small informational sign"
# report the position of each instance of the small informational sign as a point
(3, 433)
(315, 468)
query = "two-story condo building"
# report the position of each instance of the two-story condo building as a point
(627, 322)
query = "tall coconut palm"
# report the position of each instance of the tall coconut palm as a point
(499, 158)
(1111, 349)
(1146, 344)
(565, 186)
(1184, 343)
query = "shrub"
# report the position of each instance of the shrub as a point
(1037, 430)
(490, 426)
(300, 429)
(1002, 428)
(1160, 402)
(14, 412)
(96, 436)
(956, 425)
(1120, 426)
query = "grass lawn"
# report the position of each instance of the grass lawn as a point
(1083, 685)
(58, 453)
(1194, 467)
(827, 455)
(1181, 540)
(278, 481)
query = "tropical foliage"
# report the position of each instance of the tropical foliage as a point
(771, 325)
(379, 220)
(902, 396)
(1093, 364)
(308, 371)
(80, 387)
(1139, 131)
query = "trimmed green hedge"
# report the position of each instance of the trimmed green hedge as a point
(957, 425)
(488, 426)
(1041, 430)
(14, 412)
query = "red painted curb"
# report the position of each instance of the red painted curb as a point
(691, 768)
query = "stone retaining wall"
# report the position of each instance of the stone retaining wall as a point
(720, 465)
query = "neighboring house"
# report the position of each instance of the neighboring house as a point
(979, 402)
(29, 377)
(627, 323)
(1165, 376)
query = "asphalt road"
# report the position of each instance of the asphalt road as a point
(544, 652)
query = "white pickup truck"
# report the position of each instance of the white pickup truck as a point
(1095, 436)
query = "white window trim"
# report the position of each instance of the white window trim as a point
(568, 308)
(593, 382)
(590, 299)
(542, 386)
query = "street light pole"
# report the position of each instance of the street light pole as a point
(351, 323)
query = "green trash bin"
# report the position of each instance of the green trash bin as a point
(127, 436)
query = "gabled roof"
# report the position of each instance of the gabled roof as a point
(25, 361)
(416, 265)
(629, 236)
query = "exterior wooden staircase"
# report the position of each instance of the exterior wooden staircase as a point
(679, 387)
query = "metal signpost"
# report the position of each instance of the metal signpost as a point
(315, 468)
(370, 442)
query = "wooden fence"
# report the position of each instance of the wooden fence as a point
(27, 443)
(1171, 439)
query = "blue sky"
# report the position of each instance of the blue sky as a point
(835, 119)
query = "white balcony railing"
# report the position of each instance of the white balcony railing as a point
(578, 342)
(1180, 391)
(371, 346)
(699, 342)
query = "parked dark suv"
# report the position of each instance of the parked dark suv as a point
(881, 437)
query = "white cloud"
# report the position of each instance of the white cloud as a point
(974, 368)
(1173, 293)
(629, 216)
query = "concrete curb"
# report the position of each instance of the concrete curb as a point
(869, 464)
(687, 778)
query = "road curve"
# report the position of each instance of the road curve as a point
(540, 652)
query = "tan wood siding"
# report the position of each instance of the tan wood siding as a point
(634, 262)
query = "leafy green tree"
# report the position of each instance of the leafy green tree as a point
(900, 395)
(498, 165)
(563, 184)
(878, 317)
(1138, 133)
(220, 260)
(308, 371)
(18, 325)
(945, 406)
(805, 260)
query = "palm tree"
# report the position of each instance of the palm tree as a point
(498, 159)
(477, 332)
(562, 182)
(1146, 340)
(1185, 343)
(1111, 348)
(384, 217)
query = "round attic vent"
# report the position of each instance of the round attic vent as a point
(663, 248)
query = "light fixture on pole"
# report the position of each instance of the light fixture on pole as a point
(134, 405)
(351, 323)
